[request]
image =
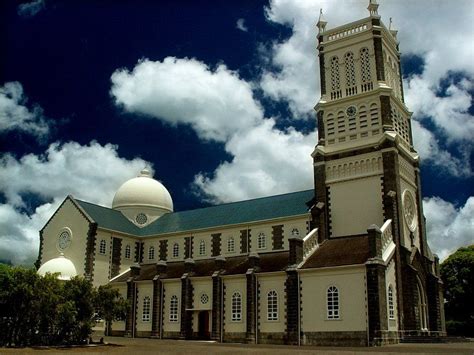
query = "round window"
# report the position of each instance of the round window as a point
(409, 210)
(64, 240)
(204, 298)
(141, 218)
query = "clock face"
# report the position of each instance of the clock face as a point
(64, 240)
(351, 111)
(409, 210)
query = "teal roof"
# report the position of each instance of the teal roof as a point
(265, 208)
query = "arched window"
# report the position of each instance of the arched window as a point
(295, 232)
(202, 247)
(174, 308)
(230, 245)
(146, 309)
(127, 252)
(335, 85)
(350, 70)
(151, 253)
(102, 247)
(261, 241)
(365, 65)
(175, 250)
(333, 302)
(391, 306)
(272, 305)
(236, 315)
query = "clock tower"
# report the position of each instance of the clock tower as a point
(365, 167)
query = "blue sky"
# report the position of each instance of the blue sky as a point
(216, 96)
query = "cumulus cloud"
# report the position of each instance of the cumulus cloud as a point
(92, 172)
(241, 25)
(449, 113)
(215, 102)
(220, 106)
(19, 232)
(266, 161)
(448, 227)
(430, 152)
(15, 115)
(30, 9)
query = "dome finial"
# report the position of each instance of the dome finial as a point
(321, 22)
(145, 172)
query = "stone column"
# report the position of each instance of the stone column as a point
(157, 309)
(130, 323)
(292, 289)
(217, 306)
(252, 302)
(187, 300)
(376, 288)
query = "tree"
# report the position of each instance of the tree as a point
(457, 273)
(110, 306)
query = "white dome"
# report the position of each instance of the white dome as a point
(61, 265)
(143, 191)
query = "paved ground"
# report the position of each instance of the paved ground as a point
(140, 346)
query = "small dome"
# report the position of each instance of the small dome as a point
(61, 265)
(143, 191)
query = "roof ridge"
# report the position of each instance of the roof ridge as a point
(213, 206)
(241, 201)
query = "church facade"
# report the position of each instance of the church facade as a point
(345, 263)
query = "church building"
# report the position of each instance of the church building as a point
(345, 263)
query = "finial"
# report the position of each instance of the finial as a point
(145, 172)
(373, 6)
(393, 32)
(321, 22)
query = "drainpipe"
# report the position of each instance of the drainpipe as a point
(299, 309)
(134, 324)
(222, 311)
(256, 309)
(161, 312)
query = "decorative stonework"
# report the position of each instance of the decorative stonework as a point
(407, 171)
(341, 170)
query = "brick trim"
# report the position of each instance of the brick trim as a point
(90, 251)
(163, 249)
(277, 237)
(216, 244)
(116, 256)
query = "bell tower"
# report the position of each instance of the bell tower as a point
(366, 170)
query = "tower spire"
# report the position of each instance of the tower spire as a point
(373, 6)
(321, 22)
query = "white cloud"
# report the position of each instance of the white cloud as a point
(30, 9)
(15, 115)
(430, 152)
(449, 113)
(93, 173)
(448, 227)
(220, 106)
(241, 25)
(19, 232)
(216, 103)
(266, 162)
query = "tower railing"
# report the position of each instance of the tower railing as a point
(310, 243)
(387, 236)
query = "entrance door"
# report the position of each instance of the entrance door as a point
(203, 325)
